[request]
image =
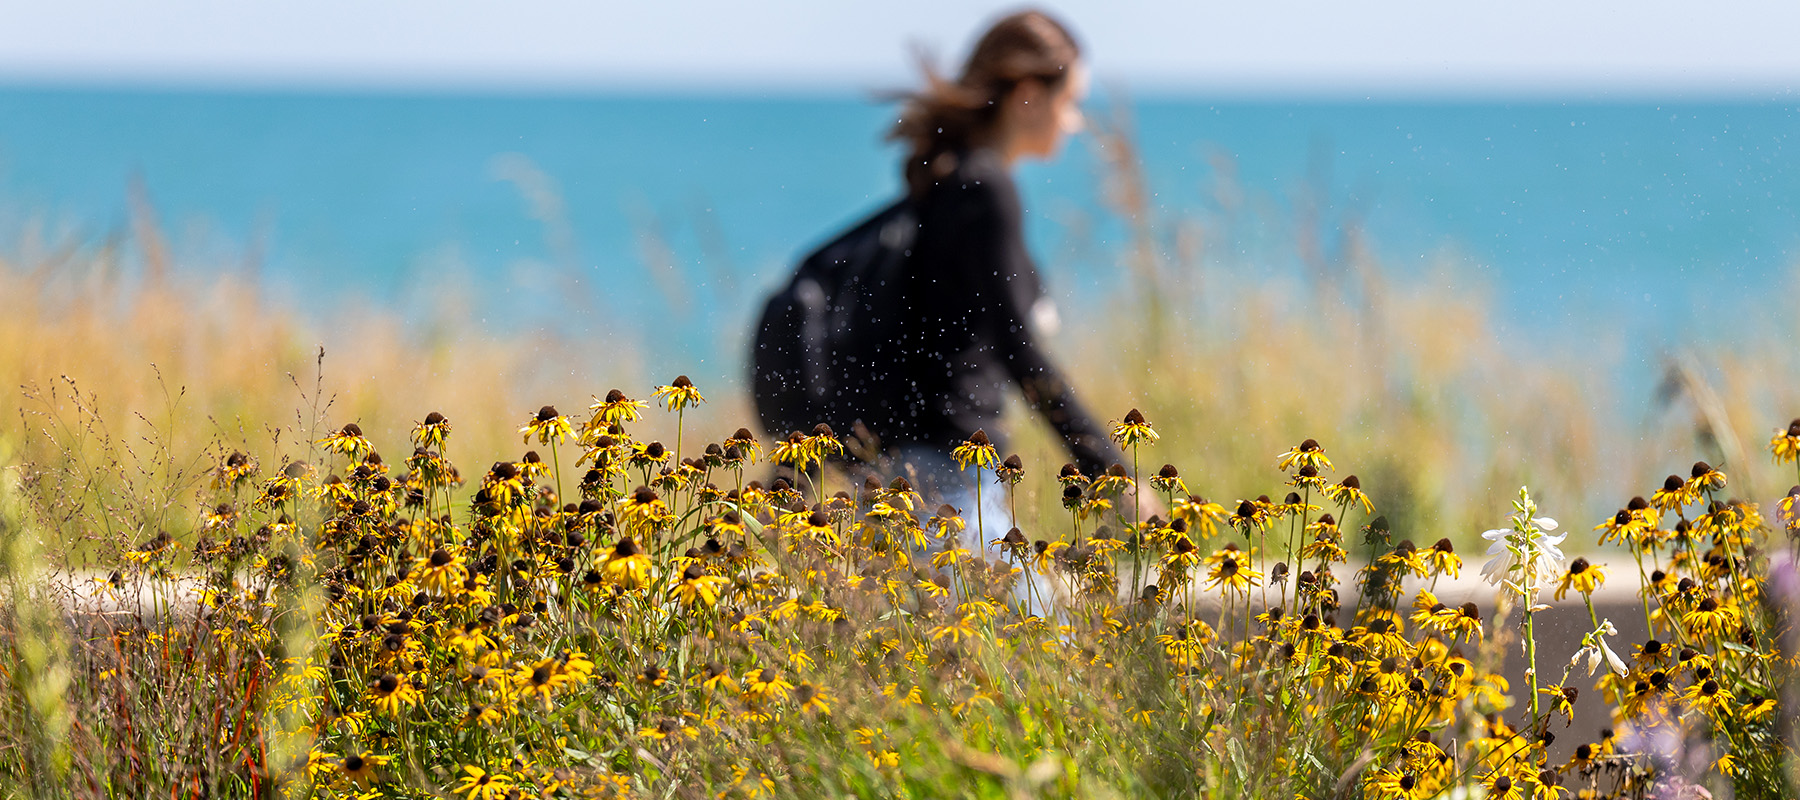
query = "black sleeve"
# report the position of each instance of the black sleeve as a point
(1002, 283)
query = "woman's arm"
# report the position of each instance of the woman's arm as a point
(997, 268)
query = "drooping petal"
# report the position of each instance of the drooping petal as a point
(1616, 664)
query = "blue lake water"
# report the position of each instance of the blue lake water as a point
(622, 211)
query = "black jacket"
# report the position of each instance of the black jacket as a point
(966, 337)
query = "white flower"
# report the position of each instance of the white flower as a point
(1596, 651)
(1526, 554)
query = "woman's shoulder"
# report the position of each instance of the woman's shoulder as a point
(977, 179)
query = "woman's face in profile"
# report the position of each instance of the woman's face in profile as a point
(1043, 116)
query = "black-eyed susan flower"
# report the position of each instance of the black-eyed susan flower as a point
(347, 440)
(1712, 618)
(696, 588)
(716, 677)
(531, 466)
(626, 566)
(359, 768)
(548, 426)
(1348, 492)
(1010, 471)
(1133, 430)
(442, 571)
(1704, 478)
(1785, 446)
(1168, 481)
(1754, 709)
(670, 728)
(479, 784)
(1673, 496)
(393, 694)
(1405, 557)
(977, 451)
(746, 445)
(812, 699)
(237, 469)
(1462, 622)
(1624, 527)
(1710, 697)
(1252, 516)
(481, 715)
(432, 433)
(792, 452)
(1500, 785)
(679, 394)
(615, 410)
(765, 685)
(1230, 571)
(1070, 476)
(1387, 784)
(1581, 576)
(1308, 453)
(1443, 559)
(823, 443)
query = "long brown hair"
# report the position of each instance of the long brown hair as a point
(949, 115)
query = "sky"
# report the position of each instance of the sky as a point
(1285, 46)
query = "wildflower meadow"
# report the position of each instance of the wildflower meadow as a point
(621, 607)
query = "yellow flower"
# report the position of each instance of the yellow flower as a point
(1582, 577)
(483, 715)
(695, 587)
(360, 769)
(1711, 697)
(766, 685)
(977, 450)
(432, 433)
(347, 440)
(1133, 430)
(539, 682)
(745, 445)
(548, 426)
(823, 443)
(1385, 784)
(792, 452)
(1231, 571)
(680, 394)
(1786, 444)
(1348, 492)
(812, 699)
(1704, 479)
(393, 693)
(238, 467)
(1673, 496)
(1443, 559)
(1199, 514)
(616, 409)
(442, 572)
(1712, 618)
(479, 784)
(626, 566)
(1306, 454)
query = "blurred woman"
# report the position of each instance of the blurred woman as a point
(975, 308)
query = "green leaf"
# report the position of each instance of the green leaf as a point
(1238, 760)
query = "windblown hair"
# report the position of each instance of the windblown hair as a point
(950, 115)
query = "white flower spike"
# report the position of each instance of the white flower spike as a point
(1526, 555)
